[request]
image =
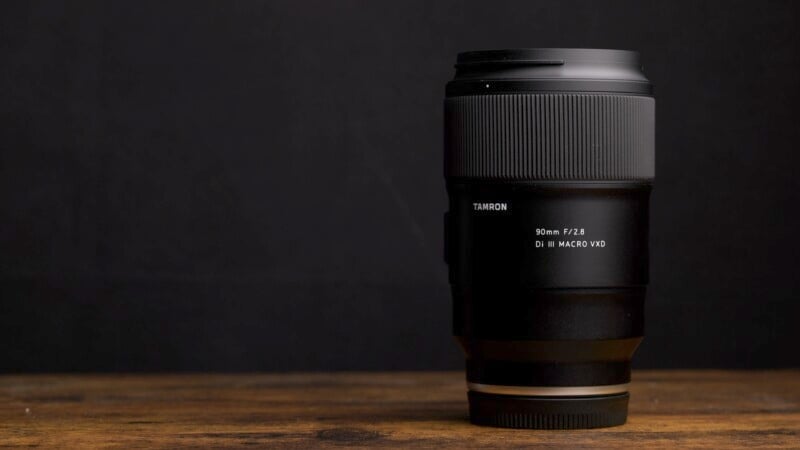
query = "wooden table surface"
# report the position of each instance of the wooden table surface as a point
(702, 409)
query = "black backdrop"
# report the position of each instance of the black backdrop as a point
(204, 185)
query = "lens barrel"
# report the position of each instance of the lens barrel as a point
(549, 162)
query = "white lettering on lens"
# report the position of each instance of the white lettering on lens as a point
(580, 244)
(490, 206)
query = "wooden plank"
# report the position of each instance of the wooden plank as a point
(701, 409)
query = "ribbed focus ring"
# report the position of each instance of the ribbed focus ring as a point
(550, 137)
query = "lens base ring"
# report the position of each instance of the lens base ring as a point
(549, 391)
(547, 413)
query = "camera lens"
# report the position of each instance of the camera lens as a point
(549, 162)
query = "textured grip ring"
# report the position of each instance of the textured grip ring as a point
(558, 136)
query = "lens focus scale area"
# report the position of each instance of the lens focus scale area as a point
(549, 161)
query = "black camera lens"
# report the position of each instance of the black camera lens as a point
(549, 162)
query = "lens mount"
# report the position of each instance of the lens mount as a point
(509, 411)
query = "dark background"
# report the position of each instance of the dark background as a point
(205, 185)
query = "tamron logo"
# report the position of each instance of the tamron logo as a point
(490, 206)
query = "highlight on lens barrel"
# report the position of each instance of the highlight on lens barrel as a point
(549, 162)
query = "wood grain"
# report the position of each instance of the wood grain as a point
(700, 409)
